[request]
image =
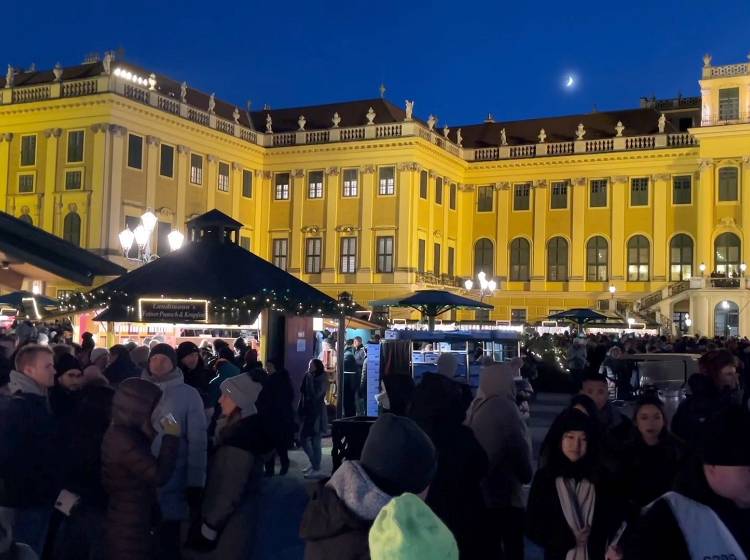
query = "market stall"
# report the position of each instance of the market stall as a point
(212, 287)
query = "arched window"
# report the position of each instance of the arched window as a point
(484, 257)
(638, 259)
(519, 259)
(680, 258)
(597, 257)
(727, 251)
(72, 228)
(557, 260)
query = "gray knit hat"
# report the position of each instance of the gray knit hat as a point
(243, 391)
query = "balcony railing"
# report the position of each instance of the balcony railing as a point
(439, 279)
(141, 92)
(723, 120)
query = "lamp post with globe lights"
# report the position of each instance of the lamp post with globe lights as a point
(486, 287)
(141, 236)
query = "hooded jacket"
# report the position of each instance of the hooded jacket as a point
(186, 405)
(497, 424)
(340, 513)
(130, 472)
(29, 445)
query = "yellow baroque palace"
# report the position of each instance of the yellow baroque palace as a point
(651, 202)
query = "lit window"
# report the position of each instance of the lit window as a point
(387, 176)
(282, 186)
(348, 255)
(196, 169)
(315, 185)
(313, 254)
(223, 184)
(280, 252)
(351, 183)
(385, 254)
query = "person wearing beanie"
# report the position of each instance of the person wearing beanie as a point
(121, 366)
(68, 381)
(139, 356)
(131, 475)
(708, 513)
(495, 420)
(197, 375)
(652, 457)
(407, 529)
(572, 511)
(184, 491)
(397, 457)
(225, 368)
(99, 358)
(236, 469)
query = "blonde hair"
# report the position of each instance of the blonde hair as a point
(28, 354)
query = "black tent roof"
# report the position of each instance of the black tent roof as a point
(236, 282)
(22, 244)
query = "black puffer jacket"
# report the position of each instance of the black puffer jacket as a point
(702, 404)
(130, 472)
(30, 445)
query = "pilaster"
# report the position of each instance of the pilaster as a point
(5, 140)
(212, 169)
(705, 207)
(152, 170)
(117, 136)
(540, 236)
(50, 179)
(577, 276)
(183, 175)
(661, 188)
(745, 205)
(367, 241)
(332, 190)
(297, 199)
(502, 249)
(617, 243)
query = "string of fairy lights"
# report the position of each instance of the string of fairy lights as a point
(225, 309)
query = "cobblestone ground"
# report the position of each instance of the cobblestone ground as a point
(283, 499)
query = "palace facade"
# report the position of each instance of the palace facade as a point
(652, 202)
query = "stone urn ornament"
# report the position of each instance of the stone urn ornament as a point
(580, 132)
(370, 116)
(336, 120)
(301, 122)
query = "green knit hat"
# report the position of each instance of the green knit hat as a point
(406, 529)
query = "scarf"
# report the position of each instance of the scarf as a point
(577, 500)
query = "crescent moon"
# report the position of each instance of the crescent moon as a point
(570, 81)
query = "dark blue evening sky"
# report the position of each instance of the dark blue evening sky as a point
(458, 60)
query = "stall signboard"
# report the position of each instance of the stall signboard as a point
(166, 310)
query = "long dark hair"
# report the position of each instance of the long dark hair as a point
(586, 467)
(316, 367)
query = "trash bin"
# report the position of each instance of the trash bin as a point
(348, 437)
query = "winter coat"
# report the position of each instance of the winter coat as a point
(350, 362)
(224, 370)
(131, 474)
(648, 471)
(199, 378)
(546, 524)
(30, 445)
(497, 424)
(82, 464)
(657, 535)
(437, 396)
(337, 520)
(234, 477)
(186, 405)
(701, 405)
(121, 369)
(275, 405)
(312, 408)
(455, 494)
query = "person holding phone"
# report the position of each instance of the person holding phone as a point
(130, 472)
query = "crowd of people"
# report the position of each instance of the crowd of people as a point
(606, 485)
(157, 450)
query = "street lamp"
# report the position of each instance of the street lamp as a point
(702, 268)
(612, 291)
(141, 235)
(743, 268)
(486, 287)
(630, 322)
